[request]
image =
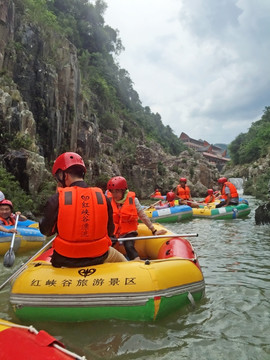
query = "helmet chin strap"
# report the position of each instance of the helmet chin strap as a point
(61, 181)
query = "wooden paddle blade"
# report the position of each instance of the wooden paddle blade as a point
(9, 258)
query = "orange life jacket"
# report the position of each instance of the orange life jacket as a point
(172, 203)
(125, 216)
(209, 199)
(82, 223)
(233, 191)
(9, 221)
(183, 193)
(157, 193)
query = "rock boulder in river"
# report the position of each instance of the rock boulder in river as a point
(262, 214)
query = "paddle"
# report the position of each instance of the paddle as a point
(156, 237)
(25, 264)
(152, 205)
(9, 257)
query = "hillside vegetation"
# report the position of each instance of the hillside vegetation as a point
(250, 152)
(247, 148)
(105, 84)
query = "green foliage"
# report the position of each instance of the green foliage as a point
(83, 24)
(102, 181)
(37, 11)
(21, 201)
(46, 189)
(12, 191)
(109, 121)
(176, 169)
(259, 189)
(21, 141)
(247, 148)
(161, 169)
(125, 145)
(5, 136)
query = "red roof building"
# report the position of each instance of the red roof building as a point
(211, 152)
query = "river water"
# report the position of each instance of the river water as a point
(231, 322)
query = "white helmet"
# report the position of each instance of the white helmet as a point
(2, 196)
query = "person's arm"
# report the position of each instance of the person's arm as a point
(12, 230)
(228, 199)
(110, 225)
(145, 219)
(21, 217)
(47, 224)
(228, 193)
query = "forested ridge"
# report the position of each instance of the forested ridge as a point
(248, 147)
(108, 87)
(250, 157)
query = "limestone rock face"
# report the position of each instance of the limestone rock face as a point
(28, 168)
(7, 13)
(15, 117)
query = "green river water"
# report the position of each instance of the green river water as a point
(231, 322)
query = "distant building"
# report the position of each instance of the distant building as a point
(212, 153)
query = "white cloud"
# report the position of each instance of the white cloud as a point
(201, 64)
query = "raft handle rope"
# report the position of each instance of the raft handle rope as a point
(173, 258)
(191, 299)
(33, 330)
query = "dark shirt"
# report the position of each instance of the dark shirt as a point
(48, 224)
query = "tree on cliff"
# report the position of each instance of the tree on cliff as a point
(248, 147)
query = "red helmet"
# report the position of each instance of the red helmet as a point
(210, 191)
(66, 160)
(156, 190)
(170, 196)
(118, 183)
(7, 202)
(222, 180)
(183, 180)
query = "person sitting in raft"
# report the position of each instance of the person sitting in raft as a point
(7, 217)
(163, 204)
(126, 211)
(229, 193)
(157, 193)
(80, 215)
(170, 197)
(182, 193)
(210, 198)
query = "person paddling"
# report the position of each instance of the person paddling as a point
(7, 217)
(126, 211)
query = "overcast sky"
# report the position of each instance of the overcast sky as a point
(203, 65)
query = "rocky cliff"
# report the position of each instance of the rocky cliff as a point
(43, 104)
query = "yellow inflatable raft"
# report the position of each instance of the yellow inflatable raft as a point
(169, 278)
